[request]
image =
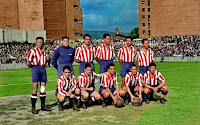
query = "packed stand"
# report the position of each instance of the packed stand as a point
(164, 46)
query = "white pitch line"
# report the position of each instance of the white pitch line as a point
(30, 83)
(23, 95)
(18, 84)
(176, 68)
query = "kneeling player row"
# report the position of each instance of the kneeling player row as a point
(153, 81)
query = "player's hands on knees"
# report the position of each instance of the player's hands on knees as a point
(68, 94)
(155, 89)
(132, 98)
(140, 97)
(91, 88)
(114, 100)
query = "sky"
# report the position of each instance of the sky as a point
(105, 15)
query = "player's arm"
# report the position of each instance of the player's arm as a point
(112, 96)
(140, 84)
(60, 88)
(138, 58)
(148, 86)
(98, 53)
(162, 79)
(140, 92)
(69, 93)
(73, 86)
(127, 81)
(160, 86)
(98, 75)
(77, 54)
(55, 57)
(97, 59)
(117, 90)
(117, 85)
(120, 56)
(120, 61)
(73, 55)
(129, 92)
(29, 64)
(87, 89)
(29, 58)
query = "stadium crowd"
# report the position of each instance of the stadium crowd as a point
(165, 46)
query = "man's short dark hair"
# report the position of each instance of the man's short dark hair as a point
(152, 64)
(66, 67)
(86, 35)
(87, 65)
(133, 65)
(108, 67)
(128, 37)
(106, 34)
(65, 37)
(145, 39)
(40, 38)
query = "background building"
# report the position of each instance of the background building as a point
(168, 17)
(57, 17)
(63, 17)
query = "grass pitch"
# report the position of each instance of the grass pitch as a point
(183, 106)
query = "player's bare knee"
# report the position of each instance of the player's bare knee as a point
(61, 98)
(146, 91)
(72, 96)
(165, 88)
(106, 95)
(142, 89)
(122, 93)
(97, 97)
(85, 96)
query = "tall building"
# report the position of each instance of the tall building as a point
(57, 17)
(63, 17)
(168, 17)
(22, 14)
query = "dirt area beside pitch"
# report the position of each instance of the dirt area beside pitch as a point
(17, 110)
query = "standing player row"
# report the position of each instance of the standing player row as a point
(103, 54)
(84, 54)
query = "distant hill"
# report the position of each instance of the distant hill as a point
(99, 34)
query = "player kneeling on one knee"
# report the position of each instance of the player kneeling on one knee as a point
(85, 80)
(133, 82)
(66, 87)
(152, 78)
(109, 80)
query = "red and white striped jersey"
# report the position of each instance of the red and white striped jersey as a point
(145, 59)
(85, 81)
(109, 81)
(105, 53)
(64, 84)
(127, 55)
(133, 80)
(153, 80)
(85, 54)
(37, 57)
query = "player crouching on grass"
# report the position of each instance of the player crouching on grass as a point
(109, 80)
(66, 87)
(85, 80)
(151, 83)
(133, 82)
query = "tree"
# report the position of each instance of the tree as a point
(135, 33)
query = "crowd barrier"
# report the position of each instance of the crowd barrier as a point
(157, 59)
